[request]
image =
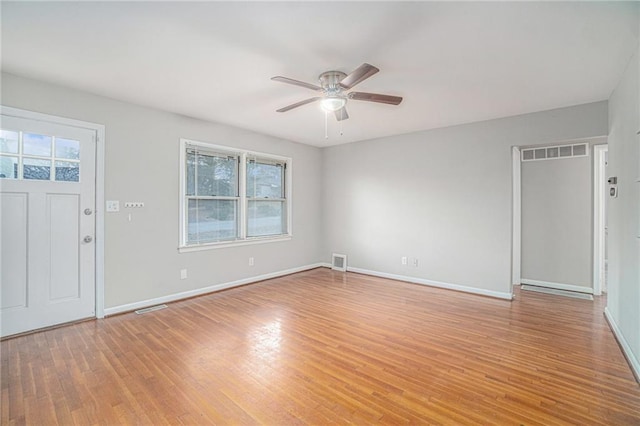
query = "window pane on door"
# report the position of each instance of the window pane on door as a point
(8, 167)
(264, 180)
(265, 218)
(211, 220)
(37, 169)
(67, 148)
(9, 141)
(34, 144)
(67, 171)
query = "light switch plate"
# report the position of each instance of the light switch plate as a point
(113, 206)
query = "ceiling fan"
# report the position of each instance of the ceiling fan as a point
(334, 90)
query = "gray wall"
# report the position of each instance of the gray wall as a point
(557, 231)
(141, 164)
(623, 302)
(442, 196)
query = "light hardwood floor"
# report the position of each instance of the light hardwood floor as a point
(322, 347)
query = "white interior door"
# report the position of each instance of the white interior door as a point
(47, 224)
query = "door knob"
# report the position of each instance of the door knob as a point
(88, 212)
(88, 239)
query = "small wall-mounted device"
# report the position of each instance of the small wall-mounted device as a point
(613, 190)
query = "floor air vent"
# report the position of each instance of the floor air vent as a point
(339, 262)
(150, 309)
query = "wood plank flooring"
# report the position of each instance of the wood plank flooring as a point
(323, 347)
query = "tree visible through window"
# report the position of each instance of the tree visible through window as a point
(212, 192)
(265, 197)
(232, 195)
(32, 156)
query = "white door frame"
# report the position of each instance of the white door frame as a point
(516, 217)
(598, 213)
(599, 206)
(99, 129)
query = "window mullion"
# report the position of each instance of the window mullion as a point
(196, 156)
(20, 154)
(242, 187)
(52, 170)
(283, 180)
(265, 199)
(213, 197)
(195, 192)
(184, 200)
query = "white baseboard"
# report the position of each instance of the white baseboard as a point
(204, 290)
(457, 287)
(626, 349)
(558, 286)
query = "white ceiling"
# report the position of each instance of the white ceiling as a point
(452, 62)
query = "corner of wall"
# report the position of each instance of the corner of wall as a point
(624, 228)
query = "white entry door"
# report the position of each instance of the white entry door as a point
(47, 224)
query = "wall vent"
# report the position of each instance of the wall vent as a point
(339, 262)
(555, 152)
(150, 309)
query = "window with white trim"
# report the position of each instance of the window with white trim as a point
(266, 200)
(231, 196)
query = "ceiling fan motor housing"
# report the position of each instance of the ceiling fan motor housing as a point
(330, 81)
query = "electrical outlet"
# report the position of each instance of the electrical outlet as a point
(251, 261)
(414, 262)
(404, 260)
(183, 274)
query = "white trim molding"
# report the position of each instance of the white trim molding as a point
(431, 283)
(516, 216)
(599, 212)
(235, 243)
(626, 349)
(558, 286)
(205, 290)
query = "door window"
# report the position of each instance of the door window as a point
(32, 156)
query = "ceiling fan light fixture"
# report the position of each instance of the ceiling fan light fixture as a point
(334, 91)
(333, 103)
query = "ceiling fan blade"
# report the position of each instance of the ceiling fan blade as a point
(375, 97)
(341, 114)
(361, 73)
(296, 82)
(297, 104)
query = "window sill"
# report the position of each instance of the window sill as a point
(227, 244)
